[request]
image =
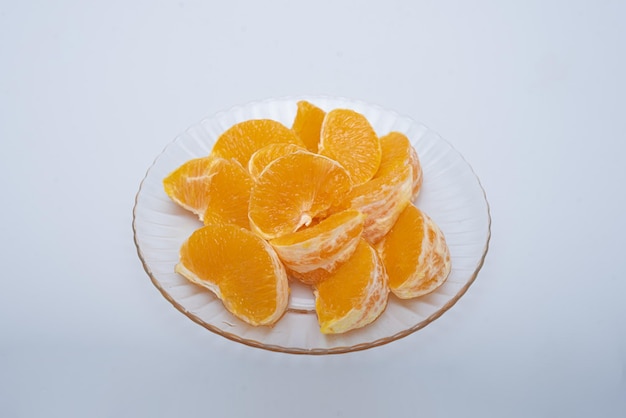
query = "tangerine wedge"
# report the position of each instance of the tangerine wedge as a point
(188, 185)
(262, 157)
(308, 124)
(385, 196)
(294, 190)
(312, 252)
(418, 175)
(415, 254)
(240, 268)
(348, 138)
(228, 193)
(354, 295)
(241, 140)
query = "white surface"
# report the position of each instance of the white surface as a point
(531, 93)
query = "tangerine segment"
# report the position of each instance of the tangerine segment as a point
(348, 138)
(354, 295)
(293, 190)
(262, 157)
(188, 184)
(241, 140)
(308, 124)
(323, 246)
(228, 193)
(240, 268)
(384, 197)
(415, 254)
(418, 175)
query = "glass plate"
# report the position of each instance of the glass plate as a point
(451, 194)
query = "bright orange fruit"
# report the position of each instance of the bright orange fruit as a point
(384, 197)
(354, 295)
(228, 193)
(348, 138)
(415, 254)
(308, 124)
(294, 190)
(311, 252)
(242, 139)
(188, 185)
(418, 175)
(240, 268)
(262, 157)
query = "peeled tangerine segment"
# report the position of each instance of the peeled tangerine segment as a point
(415, 255)
(348, 137)
(313, 252)
(308, 124)
(385, 196)
(293, 191)
(418, 174)
(354, 295)
(240, 268)
(241, 140)
(228, 193)
(264, 156)
(187, 185)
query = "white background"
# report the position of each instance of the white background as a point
(532, 93)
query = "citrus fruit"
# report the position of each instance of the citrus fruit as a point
(308, 124)
(188, 184)
(347, 137)
(228, 193)
(385, 196)
(354, 295)
(418, 175)
(241, 140)
(294, 190)
(415, 254)
(262, 157)
(240, 268)
(320, 248)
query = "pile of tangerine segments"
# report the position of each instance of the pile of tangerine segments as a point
(327, 202)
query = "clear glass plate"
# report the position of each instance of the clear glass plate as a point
(451, 195)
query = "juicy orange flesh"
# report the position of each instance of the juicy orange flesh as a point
(396, 152)
(228, 194)
(294, 190)
(241, 140)
(329, 224)
(348, 138)
(342, 290)
(238, 262)
(403, 245)
(264, 156)
(434, 264)
(383, 197)
(308, 124)
(395, 155)
(187, 184)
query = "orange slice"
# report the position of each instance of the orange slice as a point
(241, 140)
(262, 157)
(228, 193)
(354, 295)
(293, 190)
(308, 124)
(320, 248)
(348, 138)
(188, 184)
(415, 254)
(239, 268)
(384, 197)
